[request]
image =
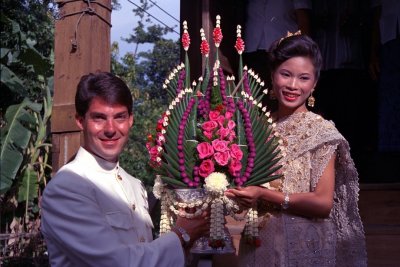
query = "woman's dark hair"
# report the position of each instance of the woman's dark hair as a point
(295, 46)
(105, 85)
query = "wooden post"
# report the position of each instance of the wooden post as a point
(82, 45)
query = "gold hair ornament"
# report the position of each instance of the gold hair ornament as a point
(289, 34)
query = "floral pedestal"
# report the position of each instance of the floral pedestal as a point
(201, 246)
(198, 199)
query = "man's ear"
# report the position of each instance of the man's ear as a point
(131, 120)
(79, 120)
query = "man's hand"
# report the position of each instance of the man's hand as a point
(195, 227)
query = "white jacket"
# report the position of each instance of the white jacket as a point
(88, 219)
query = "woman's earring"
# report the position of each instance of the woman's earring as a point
(311, 101)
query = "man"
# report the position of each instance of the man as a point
(93, 212)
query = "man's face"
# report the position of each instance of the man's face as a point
(105, 129)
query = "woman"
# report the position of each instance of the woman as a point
(311, 214)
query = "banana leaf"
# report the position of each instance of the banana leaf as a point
(11, 80)
(15, 137)
(29, 186)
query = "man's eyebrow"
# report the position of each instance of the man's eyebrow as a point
(95, 113)
(122, 113)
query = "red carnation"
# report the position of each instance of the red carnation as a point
(159, 127)
(239, 45)
(217, 36)
(185, 40)
(204, 48)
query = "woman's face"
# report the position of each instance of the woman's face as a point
(293, 82)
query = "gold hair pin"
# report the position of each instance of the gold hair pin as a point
(289, 34)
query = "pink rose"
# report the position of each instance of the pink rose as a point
(220, 145)
(222, 158)
(232, 136)
(228, 115)
(223, 132)
(231, 124)
(208, 134)
(209, 126)
(236, 152)
(206, 167)
(153, 151)
(205, 150)
(221, 120)
(214, 115)
(148, 145)
(235, 166)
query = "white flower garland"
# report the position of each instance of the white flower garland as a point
(251, 227)
(215, 185)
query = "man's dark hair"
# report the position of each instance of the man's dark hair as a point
(295, 46)
(105, 85)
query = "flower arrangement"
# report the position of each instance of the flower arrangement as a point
(215, 134)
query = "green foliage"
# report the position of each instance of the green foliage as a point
(155, 66)
(26, 50)
(15, 137)
(25, 109)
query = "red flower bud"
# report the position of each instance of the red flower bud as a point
(185, 40)
(204, 48)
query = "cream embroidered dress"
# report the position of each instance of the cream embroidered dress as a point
(289, 240)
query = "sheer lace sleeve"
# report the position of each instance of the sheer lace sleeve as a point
(320, 157)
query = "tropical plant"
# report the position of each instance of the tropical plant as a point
(25, 109)
(24, 160)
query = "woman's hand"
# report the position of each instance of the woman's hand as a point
(246, 197)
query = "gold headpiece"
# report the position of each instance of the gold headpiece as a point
(289, 34)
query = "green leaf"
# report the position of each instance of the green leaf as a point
(189, 149)
(31, 56)
(172, 160)
(265, 175)
(187, 68)
(173, 182)
(4, 52)
(269, 163)
(11, 80)
(171, 170)
(15, 137)
(29, 186)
